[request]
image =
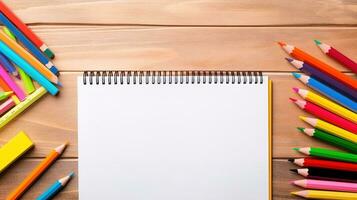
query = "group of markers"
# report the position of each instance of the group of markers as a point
(25, 57)
(330, 174)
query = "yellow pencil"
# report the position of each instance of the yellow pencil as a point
(318, 194)
(327, 104)
(334, 130)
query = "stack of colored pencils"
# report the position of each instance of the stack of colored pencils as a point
(329, 174)
(25, 57)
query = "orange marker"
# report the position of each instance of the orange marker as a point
(303, 56)
(36, 173)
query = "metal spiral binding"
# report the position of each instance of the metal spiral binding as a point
(171, 77)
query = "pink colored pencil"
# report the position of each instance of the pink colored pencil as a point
(11, 83)
(327, 185)
(337, 55)
(7, 105)
(326, 115)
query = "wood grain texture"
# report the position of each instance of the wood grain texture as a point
(81, 48)
(187, 12)
(281, 178)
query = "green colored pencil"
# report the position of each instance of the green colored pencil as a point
(337, 141)
(328, 154)
(5, 95)
(26, 82)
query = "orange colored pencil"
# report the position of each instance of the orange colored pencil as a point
(29, 58)
(36, 173)
(303, 56)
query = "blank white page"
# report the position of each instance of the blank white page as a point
(173, 141)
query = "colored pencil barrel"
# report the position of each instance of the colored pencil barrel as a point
(25, 30)
(339, 142)
(327, 91)
(55, 188)
(303, 56)
(8, 65)
(337, 55)
(5, 95)
(323, 77)
(8, 32)
(327, 185)
(329, 154)
(317, 194)
(327, 174)
(7, 105)
(327, 104)
(332, 129)
(325, 164)
(28, 69)
(11, 83)
(326, 115)
(33, 49)
(35, 174)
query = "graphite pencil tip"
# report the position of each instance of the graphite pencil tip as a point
(289, 59)
(317, 42)
(292, 99)
(295, 89)
(294, 170)
(281, 43)
(300, 129)
(291, 159)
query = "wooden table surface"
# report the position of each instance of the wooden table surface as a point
(168, 35)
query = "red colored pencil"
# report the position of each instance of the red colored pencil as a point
(25, 30)
(326, 115)
(337, 55)
(303, 56)
(325, 164)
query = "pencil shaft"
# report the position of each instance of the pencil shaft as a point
(334, 155)
(317, 194)
(332, 175)
(327, 185)
(344, 60)
(339, 132)
(329, 164)
(350, 146)
(11, 83)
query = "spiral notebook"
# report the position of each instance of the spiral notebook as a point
(174, 135)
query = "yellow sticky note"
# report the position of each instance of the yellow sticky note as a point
(15, 148)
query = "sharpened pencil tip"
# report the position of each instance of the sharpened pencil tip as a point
(296, 75)
(59, 84)
(71, 174)
(294, 193)
(300, 129)
(294, 170)
(296, 149)
(292, 99)
(281, 43)
(295, 89)
(289, 59)
(291, 159)
(317, 42)
(302, 118)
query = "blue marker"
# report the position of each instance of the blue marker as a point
(28, 69)
(8, 66)
(29, 45)
(327, 91)
(55, 188)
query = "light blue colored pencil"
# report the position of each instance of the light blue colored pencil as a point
(327, 91)
(50, 192)
(28, 69)
(29, 45)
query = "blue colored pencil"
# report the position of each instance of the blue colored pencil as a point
(55, 188)
(29, 45)
(323, 77)
(9, 66)
(327, 91)
(28, 69)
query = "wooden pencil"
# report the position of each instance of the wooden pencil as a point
(328, 154)
(326, 185)
(317, 194)
(325, 164)
(327, 174)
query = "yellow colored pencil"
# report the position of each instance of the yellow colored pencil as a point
(29, 58)
(319, 194)
(332, 129)
(327, 104)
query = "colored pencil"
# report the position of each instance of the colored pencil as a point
(19, 108)
(323, 77)
(325, 115)
(326, 185)
(328, 154)
(55, 188)
(326, 174)
(36, 173)
(303, 56)
(5, 95)
(28, 58)
(327, 91)
(25, 30)
(332, 129)
(339, 142)
(28, 44)
(6, 88)
(327, 104)
(8, 66)
(26, 80)
(325, 164)
(337, 55)
(317, 194)
(11, 83)
(6, 106)
(35, 75)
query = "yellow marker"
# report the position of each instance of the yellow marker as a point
(15, 148)
(19, 108)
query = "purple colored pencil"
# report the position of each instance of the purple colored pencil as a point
(323, 77)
